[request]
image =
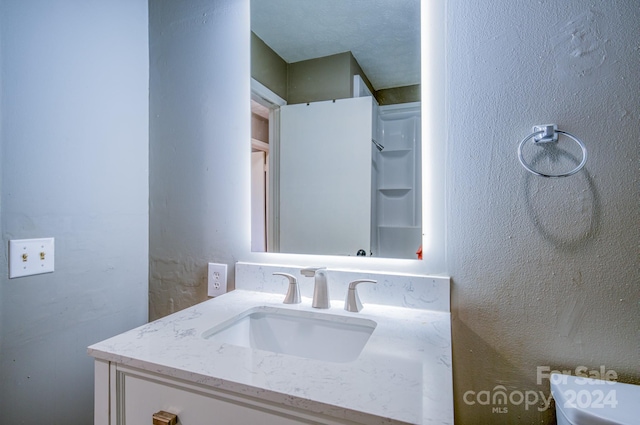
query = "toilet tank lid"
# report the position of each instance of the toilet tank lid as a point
(589, 401)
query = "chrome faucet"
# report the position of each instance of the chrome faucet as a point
(320, 289)
(352, 302)
(293, 293)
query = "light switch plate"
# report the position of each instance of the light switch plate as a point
(217, 277)
(31, 256)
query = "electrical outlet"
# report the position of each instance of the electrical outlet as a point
(217, 278)
(30, 256)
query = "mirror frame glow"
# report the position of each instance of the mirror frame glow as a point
(432, 27)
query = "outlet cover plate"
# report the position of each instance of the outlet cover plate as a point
(31, 256)
(217, 279)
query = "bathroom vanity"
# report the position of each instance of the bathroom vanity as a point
(387, 364)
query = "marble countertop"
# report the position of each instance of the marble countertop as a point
(403, 374)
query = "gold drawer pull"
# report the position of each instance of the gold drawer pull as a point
(164, 418)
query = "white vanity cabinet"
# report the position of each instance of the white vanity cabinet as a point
(125, 395)
(174, 365)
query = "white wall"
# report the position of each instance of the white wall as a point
(74, 162)
(544, 272)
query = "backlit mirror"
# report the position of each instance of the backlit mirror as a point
(336, 137)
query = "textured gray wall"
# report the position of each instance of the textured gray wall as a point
(199, 145)
(545, 271)
(74, 138)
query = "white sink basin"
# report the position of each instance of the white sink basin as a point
(318, 336)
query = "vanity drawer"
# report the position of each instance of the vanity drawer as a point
(137, 395)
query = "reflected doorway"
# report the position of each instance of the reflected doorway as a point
(259, 175)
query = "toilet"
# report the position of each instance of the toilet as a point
(588, 401)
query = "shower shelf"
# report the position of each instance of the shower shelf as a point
(391, 226)
(395, 192)
(395, 152)
(397, 232)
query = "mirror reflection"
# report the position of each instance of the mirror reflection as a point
(336, 127)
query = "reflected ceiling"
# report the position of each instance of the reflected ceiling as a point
(383, 35)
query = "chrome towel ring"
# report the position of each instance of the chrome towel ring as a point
(548, 133)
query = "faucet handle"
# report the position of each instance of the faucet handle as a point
(293, 293)
(352, 302)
